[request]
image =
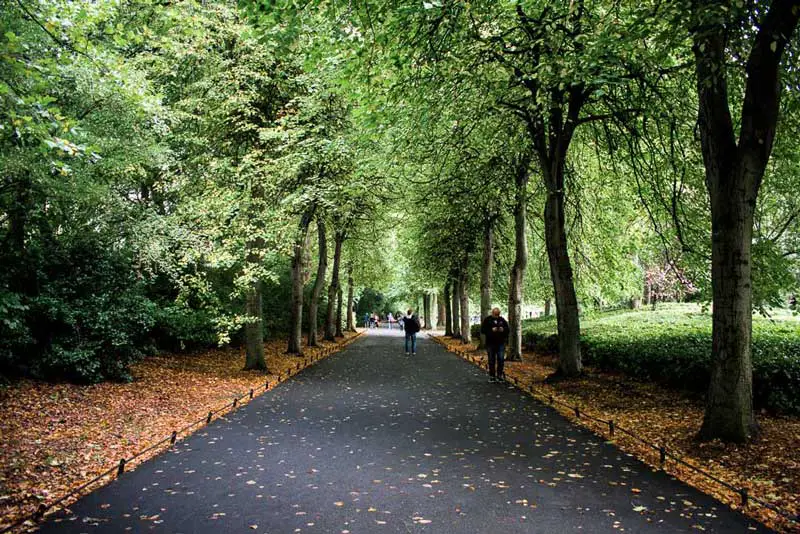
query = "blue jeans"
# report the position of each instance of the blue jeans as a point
(496, 359)
(413, 338)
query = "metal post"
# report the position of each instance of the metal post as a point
(611, 427)
(121, 468)
(662, 454)
(208, 419)
(744, 495)
(251, 393)
(577, 412)
(173, 438)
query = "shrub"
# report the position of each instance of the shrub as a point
(674, 348)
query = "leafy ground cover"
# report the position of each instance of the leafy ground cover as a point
(56, 436)
(769, 465)
(672, 345)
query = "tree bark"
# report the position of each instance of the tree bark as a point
(561, 273)
(447, 303)
(517, 275)
(339, 304)
(296, 311)
(440, 316)
(254, 329)
(486, 273)
(319, 282)
(733, 177)
(456, 309)
(426, 309)
(351, 325)
(333, 288)
(463, 287)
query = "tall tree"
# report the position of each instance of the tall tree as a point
(319, 282)
(734, 172)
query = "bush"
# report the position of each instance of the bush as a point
(673, 347)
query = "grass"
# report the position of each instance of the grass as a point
(672, 345)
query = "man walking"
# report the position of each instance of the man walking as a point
(496, 330)
(411, 327)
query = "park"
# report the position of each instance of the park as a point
(417, 266)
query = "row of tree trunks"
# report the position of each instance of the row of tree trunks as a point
(296, 310)
(319, 282)
(333, 289)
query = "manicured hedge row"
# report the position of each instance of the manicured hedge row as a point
(674, 348)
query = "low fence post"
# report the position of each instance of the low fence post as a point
(121, 468)
(173, 438)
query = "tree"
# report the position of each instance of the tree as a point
(734, 172)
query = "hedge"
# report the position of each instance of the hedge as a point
(673, 347)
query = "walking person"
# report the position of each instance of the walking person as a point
(411, 327)
(496, 330)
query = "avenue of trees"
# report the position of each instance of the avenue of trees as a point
(179, 175)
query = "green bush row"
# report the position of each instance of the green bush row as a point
(675, 350)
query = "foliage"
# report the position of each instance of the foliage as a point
(672, 345)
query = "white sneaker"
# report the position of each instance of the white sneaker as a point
(408, 354)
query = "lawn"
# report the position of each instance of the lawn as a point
(672, 345)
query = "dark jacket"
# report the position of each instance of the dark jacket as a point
(410, 324)
(498, 336)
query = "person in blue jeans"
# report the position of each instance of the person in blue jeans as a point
(496, 330)
(411, 327)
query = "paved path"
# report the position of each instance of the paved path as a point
(372, 441)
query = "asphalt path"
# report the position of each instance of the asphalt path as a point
(373, 441)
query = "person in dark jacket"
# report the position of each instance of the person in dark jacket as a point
(496, 330)
(411, 327)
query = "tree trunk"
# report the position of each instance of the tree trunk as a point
(426, 305)
(440, 316)
(254, 329)
(486, 273)
(463, 286)
(548, 303)
(339, 300)
(322, 266)
(569, 346)
(517, 275)
(333, 288)
(351, 325)
(447, 303)
(456, 309)
(733, 177)
(296, 311)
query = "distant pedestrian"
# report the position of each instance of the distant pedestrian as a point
(366, 319)
(496, 330)
(411, 327)
(390, 320)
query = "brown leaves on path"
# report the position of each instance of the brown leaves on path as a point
(54, 437)
(768, 466)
